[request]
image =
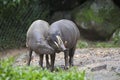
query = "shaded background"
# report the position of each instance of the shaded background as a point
(97, 20)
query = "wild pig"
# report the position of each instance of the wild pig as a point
(63, 36)
(36, 41)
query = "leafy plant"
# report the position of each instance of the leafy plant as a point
(15, 18)
(116, 37)
(104, 45)
(9, 72)
(98, 44)
(82, 44)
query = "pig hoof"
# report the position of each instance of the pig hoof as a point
(52, 69)
(66, 67)
(48, 66)
(71, 65)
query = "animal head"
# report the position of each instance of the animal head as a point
(56, 42)
(44, 48)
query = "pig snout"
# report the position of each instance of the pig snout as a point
(63, 48)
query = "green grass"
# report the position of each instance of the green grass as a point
(112, 43)
(9, 72)
(97, 44)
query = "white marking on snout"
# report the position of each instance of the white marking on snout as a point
(56, 44)
(59, 40)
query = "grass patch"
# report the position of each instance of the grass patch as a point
(97, 44)
(114, 42)
(9, 72)
(82, 44)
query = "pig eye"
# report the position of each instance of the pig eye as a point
(51, 42)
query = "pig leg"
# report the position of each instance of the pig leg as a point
(66, 53)
(30, 55)
(41, 60)
(47, 61)
(71, 54)
(52, 56)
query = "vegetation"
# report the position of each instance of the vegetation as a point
(116, 37)
(114, 42)
(16, 16)
(9, 72)
(98, 44)
(88, 15)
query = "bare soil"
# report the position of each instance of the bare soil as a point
(99, 63)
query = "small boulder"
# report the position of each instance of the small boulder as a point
(100, 67)
(97, 19)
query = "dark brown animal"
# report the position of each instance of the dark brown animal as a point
(63, 36)
(36, 41)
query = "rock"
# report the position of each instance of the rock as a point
(60, 5)
(97, 19)
(62, 9)
(113, 68)
(118, 70)
(97, 68)
(60, 15)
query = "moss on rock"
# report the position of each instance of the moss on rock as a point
(102, 17)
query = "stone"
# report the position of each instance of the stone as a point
(97, 19)
(100, 67)
(118, 70)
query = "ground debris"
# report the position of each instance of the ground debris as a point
(99, 63)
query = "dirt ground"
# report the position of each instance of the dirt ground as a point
(99, 63)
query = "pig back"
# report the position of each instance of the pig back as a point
(37, 31)
(68, 30)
